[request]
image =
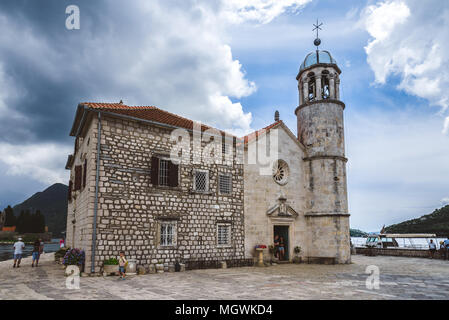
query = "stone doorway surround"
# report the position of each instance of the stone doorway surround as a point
(281, 214)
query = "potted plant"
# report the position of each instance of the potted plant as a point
(60, 254)
(74, 257)
(110, 266)
(297, 251)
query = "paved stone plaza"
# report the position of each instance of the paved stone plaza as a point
(400, 278)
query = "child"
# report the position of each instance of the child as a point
(36, 252)
(122, 263)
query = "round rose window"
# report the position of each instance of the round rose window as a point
(280, 172)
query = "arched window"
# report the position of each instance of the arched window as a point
(325, 88)
(312, 87)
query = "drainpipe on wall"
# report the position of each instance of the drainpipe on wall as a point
(94, 234)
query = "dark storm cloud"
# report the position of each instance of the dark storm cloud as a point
(40, 60)
(53, 79)
(165, 53)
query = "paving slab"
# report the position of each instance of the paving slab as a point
(400, 278)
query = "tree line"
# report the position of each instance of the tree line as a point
(26, 222)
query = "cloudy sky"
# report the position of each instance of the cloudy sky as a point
(231, 64)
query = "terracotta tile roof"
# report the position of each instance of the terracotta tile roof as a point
(257, 133)
(151, 113)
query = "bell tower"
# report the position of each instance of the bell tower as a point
(321, 130)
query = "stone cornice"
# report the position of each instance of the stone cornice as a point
(317, 65)
(326, 214)
(325, 157)
(310, 103)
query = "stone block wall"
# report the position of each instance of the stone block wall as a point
(320, 128)
(327, 184)
(328, 238)
(400, 252)
(81, 207)
(130, 208)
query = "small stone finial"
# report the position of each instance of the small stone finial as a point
(276, 116)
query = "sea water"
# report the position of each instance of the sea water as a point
(7, 250)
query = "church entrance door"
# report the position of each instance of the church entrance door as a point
(282, 231)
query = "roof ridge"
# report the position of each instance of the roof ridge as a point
(181, 117)
(160, 115)
(144, 107)
(117, 104)
(270, 126)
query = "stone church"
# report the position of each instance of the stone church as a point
(130, 191)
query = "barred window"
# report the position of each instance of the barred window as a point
(201, 180)
(223, 234)
(225, 183)
(163, 172)
(226, 146)
(167, 233)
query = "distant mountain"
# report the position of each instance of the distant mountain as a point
(52, 202)
(437, 222)
(357, 233)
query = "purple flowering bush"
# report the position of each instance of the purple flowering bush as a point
(74, 257)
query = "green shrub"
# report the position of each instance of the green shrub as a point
(30, 238)
(111, 262)
(61, 253)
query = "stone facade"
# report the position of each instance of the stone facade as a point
(131, 209)
(302, 195)
(321, 131)
(81, 205)
(314, 196)
(262, 193)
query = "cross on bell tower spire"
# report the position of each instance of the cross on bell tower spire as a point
(317, 27)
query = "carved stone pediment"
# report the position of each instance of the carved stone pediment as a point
(282, 209)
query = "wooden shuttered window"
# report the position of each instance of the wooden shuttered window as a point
(172, 172)
(155, 171)
(84, 173)
(69, 192)
(78, 177)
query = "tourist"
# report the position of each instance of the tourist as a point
(41, 247)
(122, 263)
(36, 252)
(61, 243)
(18, 249)
(432, 248)
(276, 246)
(442, 250)
(446, 247)
(281, 248)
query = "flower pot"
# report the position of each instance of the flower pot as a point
(108, 269)
(260, 262)
(159, 268)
